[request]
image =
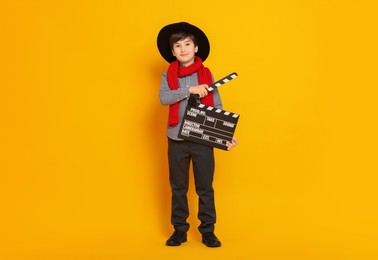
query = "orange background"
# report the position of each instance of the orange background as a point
(83, 166)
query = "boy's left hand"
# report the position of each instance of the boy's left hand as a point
(231, 144)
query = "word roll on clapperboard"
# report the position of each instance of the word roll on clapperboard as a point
(206, 124)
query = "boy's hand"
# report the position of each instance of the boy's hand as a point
(200, 90)
(231, 144)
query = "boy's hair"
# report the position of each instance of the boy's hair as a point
(181, 35)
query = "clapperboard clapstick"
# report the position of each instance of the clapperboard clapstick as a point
(194, 98)
(206, 124)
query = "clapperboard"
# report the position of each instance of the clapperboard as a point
(206, 124)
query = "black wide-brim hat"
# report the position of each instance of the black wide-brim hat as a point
(168, 30)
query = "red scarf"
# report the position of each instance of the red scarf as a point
(175, 71)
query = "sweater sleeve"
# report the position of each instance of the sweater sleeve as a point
(217, 98)
(168, 96)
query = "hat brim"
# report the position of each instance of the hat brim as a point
(168, 30)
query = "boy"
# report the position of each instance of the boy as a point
(185, 47)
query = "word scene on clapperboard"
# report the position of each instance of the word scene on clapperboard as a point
(208, 125)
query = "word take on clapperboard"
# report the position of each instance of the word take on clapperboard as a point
(206, 124)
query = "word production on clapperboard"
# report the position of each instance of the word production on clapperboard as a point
(206, 124)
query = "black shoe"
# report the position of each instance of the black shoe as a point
(210, 240)
(177, 238)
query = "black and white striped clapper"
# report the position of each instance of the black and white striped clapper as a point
(206, 124)
(222, 81)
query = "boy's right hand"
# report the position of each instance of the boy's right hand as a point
(200, 90)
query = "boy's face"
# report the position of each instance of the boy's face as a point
(184, 51)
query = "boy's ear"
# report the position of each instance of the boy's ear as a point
(196, 49)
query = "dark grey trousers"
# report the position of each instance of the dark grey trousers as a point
(180, 154)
